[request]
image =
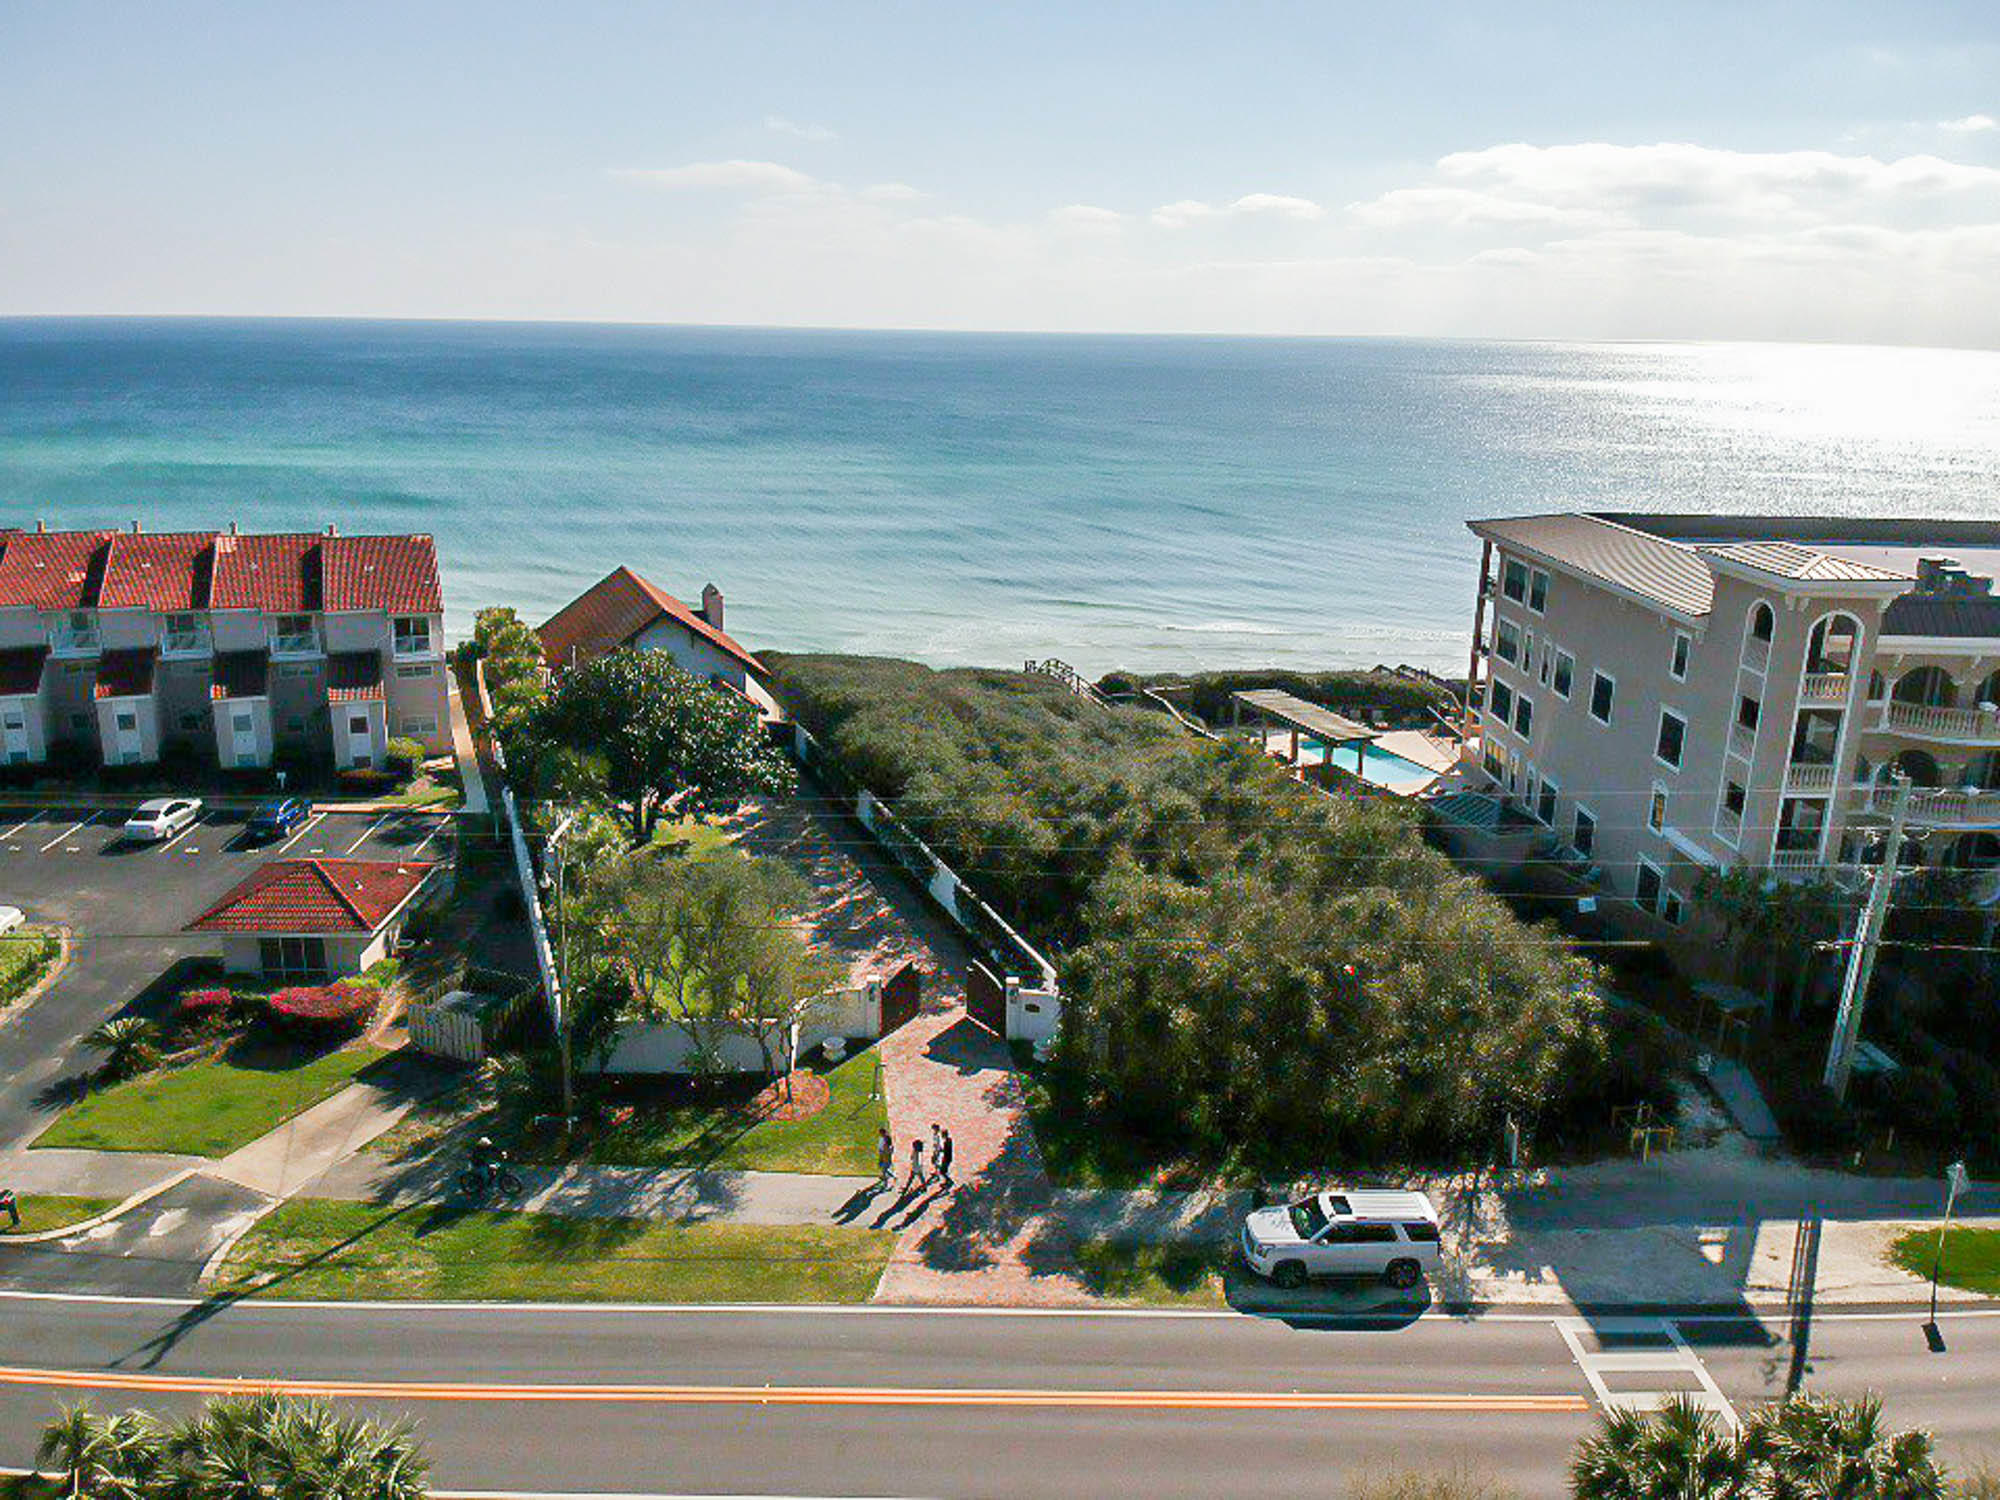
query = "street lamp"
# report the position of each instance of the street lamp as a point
(1954, 1184)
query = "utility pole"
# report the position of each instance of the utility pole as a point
(562, 970)
(1861, 957)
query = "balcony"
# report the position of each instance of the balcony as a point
(1809, 777)
(72, 638)
(1795, 859)
(1938, 807)
(1958, 726)
(1824, 687)
(190, 641)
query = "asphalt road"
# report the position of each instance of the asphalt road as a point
(125, 905)
(909, 1403)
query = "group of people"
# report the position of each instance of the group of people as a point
(942, 1151)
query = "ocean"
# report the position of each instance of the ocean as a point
(1141, 502)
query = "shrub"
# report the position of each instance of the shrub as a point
(204, 1009)
(365, 781)
(1919, 1102)
(130, 1044)
(323, 1008)
(1813, 1120)
(404, 753)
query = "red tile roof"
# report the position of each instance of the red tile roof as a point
(241, 674)
(352, 676)
(126, 674)
(316, 896)
(52, 569)
(276, 573)
(279, 573)
(613, 612)
(394, 573)
(21, 670)
(166, 571)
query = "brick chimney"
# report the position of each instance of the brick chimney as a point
(711, 605)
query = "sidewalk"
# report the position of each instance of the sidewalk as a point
(91, 1174)
(306, 1146)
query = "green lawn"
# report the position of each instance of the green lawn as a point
(839, 1140)
(43, 1211)
(1971, 1257)
(311, 1248)
(695, 840)
(1170, 1275)
(206, 1108)
(25, 956)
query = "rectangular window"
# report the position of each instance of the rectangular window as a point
(1800, 821)
(1671, 908)
(1816, 737)
(1524, 716)
(413, 635)
(1514, 581)
(1646, 887)
(127, 722)
(1734, 799)
(1747, 710)
(1565, 674)
(1602, 689)
(1656, 809)
(420, 724)
(241, 722)
(1538, 591)
(1507, 641)
(1545, 805)
(1672, 741)
(293, 957)
(1548, 662)
(293, 635)
(1683, 645)
(412, 670)
(1502, 698)
(1585, 836)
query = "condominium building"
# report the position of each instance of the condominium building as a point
(117, 647)
(1665, 693)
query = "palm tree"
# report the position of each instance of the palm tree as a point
(116, 1457)
(129, 1044)
(270, 1447)
(1811, 1446)
(1680, 1452)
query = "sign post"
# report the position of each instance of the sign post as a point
(1954, 1184)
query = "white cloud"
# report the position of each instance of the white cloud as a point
(741, 176)
(1969, 124)
(1186, 211)
(808, 132)
(891, 192)
(1465, 208)
(1086, 216)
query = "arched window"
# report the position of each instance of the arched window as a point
(1763, 622)
(1920, 766)
(1989, 690)
(1927, 687)
(1833, 646)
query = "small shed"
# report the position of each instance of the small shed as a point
(458, 1025)
(310, 920)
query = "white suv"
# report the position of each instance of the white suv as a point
(1391, 1235)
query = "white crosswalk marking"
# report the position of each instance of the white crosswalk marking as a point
(1649, 1347)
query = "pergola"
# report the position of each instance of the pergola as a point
(1330, 729)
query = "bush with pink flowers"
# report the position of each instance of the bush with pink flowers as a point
(322, 1008)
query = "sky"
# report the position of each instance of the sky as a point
(1686, 170)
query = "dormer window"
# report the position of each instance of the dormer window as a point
(413, 635)
(183, 632)
(293, 635)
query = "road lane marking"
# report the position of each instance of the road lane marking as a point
(68, 832)
(369, 831)
(802, 1395)
(304, 828)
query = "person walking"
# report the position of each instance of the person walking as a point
(942, 1157)
(916, 1166)
(937, 1145)
(885, 1157)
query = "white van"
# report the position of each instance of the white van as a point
(1363, 1232)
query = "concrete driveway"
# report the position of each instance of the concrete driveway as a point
(125, 905)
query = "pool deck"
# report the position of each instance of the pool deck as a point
(1435, 757)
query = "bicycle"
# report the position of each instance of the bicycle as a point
(477, 1182)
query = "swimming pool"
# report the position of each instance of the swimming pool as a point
(1381, 767)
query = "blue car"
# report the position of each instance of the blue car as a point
(276, 819)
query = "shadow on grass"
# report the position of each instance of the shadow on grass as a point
(558, 1239)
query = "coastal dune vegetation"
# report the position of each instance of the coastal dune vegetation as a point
(1256, 976)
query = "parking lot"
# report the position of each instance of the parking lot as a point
(127, 903)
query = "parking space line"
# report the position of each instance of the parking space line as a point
(442, 824)
(369, 832)
(68, 833)
(16, 829)
(181, 835)
(304, 828)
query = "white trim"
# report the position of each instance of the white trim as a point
(1552, 789)
(1937, 645)
(1685, 845)
(1578, 810)
(1667, 712)
(1674, 654)
(1657, 799)
(1641, 864)
(1561, 657)
(1547, 583)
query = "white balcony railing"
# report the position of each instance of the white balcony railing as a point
(1973, 726)
(1809, 778)
(65, 637)
(304, 643)
(1824, 687)
(1742, 740)
(1939, 807)
(1795, 859)
(184, 642)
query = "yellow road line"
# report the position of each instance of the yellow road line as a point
(801, 1395)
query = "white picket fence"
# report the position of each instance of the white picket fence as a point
(659, 1047)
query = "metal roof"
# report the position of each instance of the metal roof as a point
(1657, 570)
(1807, 564)
(1942, 615)
(1322, 723)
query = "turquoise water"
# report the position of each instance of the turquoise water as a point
(1144, 502)
(1383, 767)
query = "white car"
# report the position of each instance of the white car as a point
(1392, 1235)
(11, 917)
(162, 818)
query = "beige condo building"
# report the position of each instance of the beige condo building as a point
(1661, 693)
